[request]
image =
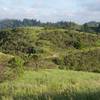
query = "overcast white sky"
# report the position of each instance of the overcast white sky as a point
(51, 10)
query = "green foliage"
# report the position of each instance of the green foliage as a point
(84, 60)
(66, 39)
(15, 41)
(28, 40)
(50, 45)
(10, 68)
(57, 45)
(17, 64)
(91, 27)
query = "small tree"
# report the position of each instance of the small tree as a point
(17, 65)
(85, 27)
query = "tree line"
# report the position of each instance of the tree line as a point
(92, 27)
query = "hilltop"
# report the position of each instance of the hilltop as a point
(52, 48)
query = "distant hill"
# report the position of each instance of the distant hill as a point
(93, 24)
(12, 23)
(92, 27)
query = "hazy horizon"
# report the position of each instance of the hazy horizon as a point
(51, 10)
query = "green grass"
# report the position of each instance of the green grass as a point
(52, 85)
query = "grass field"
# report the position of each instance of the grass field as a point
(52, 85)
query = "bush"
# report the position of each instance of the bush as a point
(17, 64)
(12, 70)
(82, 60)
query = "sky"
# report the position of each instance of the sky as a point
(51, 10)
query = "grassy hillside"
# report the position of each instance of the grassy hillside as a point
(33, 71)
(67, 39)
(52, 48)
(21, 39)
(52, 85)
(87, 59)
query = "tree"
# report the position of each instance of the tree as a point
(98, 29)
(85, 27)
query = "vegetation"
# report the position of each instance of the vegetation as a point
(10, 67)
(52, 48)
(82, 60)
(35, 61)
(52, 85)
(92, 27)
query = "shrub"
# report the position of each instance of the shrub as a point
(17, 64)
(12, 70)
(82, 60)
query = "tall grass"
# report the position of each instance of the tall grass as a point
(52, 85)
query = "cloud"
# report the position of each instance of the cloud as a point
(94, 7)
(51, 10)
